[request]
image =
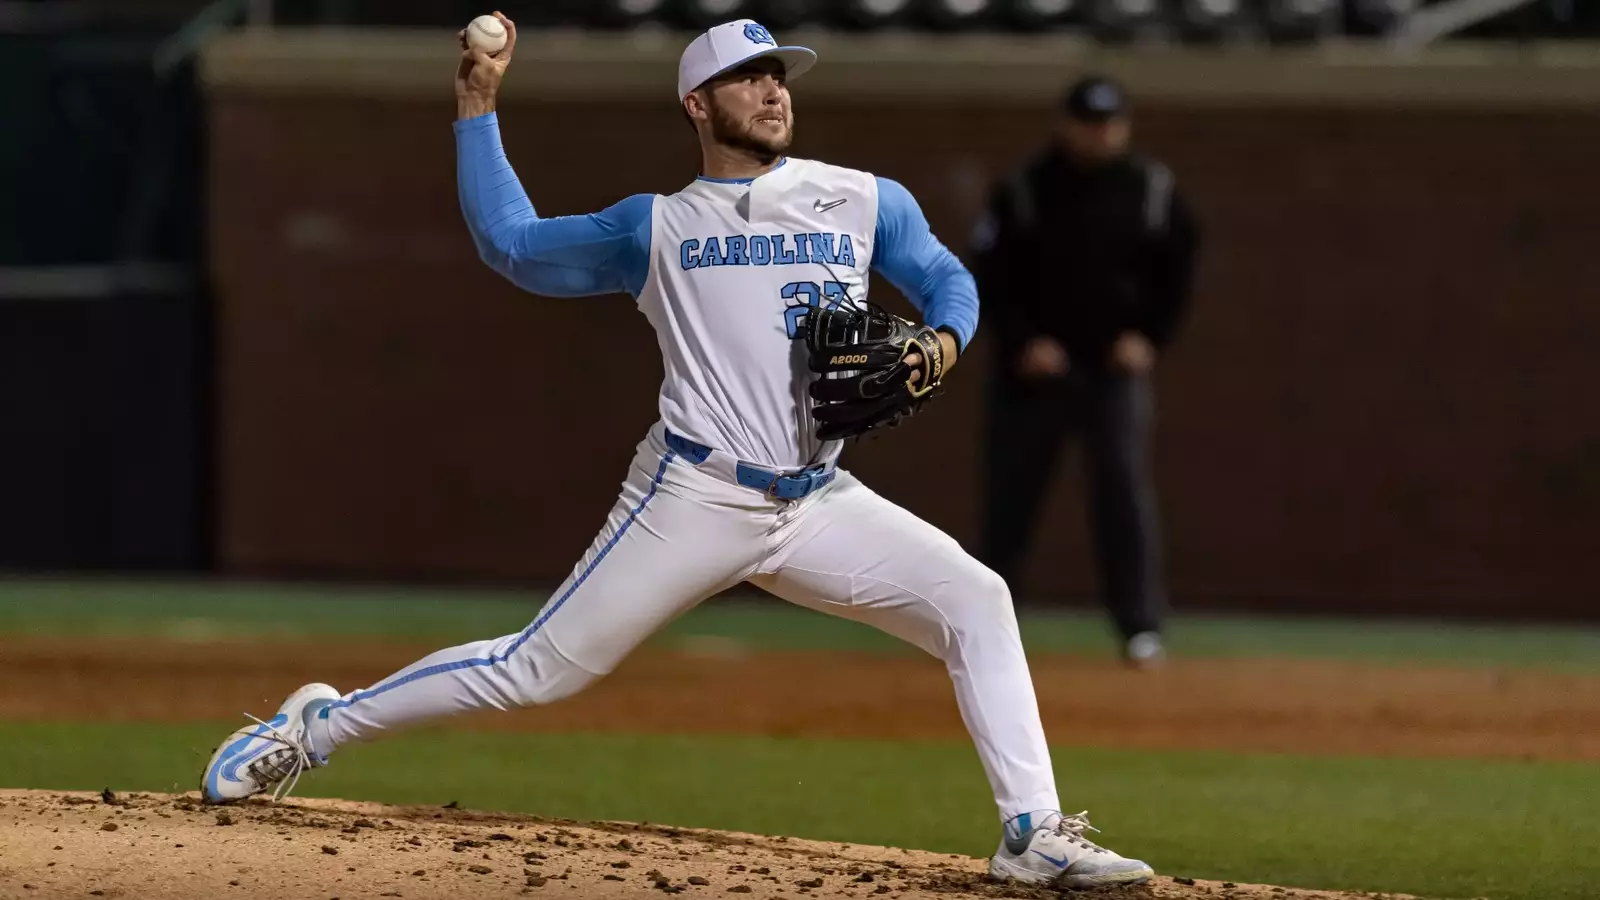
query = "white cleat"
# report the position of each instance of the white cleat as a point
(1053, 850)
(267, 755)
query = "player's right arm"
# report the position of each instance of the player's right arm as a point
(566, 256)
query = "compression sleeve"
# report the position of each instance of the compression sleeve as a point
(913, 260)
(566, 256)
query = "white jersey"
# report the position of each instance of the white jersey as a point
(732, 267)
(724, 270)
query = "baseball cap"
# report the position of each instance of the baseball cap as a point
(1096, 98)
(730, 45)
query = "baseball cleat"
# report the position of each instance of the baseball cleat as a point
(1054, 851)
(267, 755)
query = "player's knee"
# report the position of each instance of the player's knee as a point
(985, 600)
(547, 681)
(987, 583)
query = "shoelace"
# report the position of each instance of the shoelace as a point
(1072, 828)
(279, 767)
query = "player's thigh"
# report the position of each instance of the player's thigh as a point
(663, 549)
(858, 556)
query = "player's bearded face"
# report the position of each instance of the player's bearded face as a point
(752, 115)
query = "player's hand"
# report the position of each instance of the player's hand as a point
(951, 351)
(478, 74)
(1044, 357)
(1133, 353)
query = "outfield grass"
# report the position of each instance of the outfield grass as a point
(1438, 828)
(205, 610)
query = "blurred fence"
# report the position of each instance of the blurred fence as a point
(1380, 404)
(104, 374)
(1192, 21)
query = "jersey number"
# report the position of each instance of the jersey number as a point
(809, 297)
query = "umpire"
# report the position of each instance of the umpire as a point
(1084, 262)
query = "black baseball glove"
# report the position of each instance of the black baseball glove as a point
(860, 351)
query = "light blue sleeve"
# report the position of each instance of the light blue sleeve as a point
(567, 256)
(913, 260)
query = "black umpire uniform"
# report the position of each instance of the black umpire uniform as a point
(1084, 261)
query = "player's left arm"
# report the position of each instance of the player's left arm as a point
(905, 251)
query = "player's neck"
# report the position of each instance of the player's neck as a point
(729, 163)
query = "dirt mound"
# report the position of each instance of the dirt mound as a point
(165, 846)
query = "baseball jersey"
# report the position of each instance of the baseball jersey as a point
(724, 270)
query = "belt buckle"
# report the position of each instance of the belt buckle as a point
(810, 477)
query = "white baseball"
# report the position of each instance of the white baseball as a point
(487, 34)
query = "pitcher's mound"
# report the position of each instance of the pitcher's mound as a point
(167, 846)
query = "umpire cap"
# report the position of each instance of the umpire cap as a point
(1095, 98)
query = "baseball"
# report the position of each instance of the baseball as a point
(487, 34)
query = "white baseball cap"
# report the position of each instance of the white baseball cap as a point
(730, 45)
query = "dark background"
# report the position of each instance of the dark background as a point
(1378, 405)
(105, 311)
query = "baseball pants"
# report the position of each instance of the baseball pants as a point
(681, 532)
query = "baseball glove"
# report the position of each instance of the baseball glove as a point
(860, 351)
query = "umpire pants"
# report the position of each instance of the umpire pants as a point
(1112, 413)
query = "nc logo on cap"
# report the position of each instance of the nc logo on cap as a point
(758, 34)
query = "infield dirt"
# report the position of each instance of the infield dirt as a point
(165, 847)
(1273, 705)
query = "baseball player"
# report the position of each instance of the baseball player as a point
(754, 277)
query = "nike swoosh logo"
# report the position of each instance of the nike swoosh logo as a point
(821, 207)
(1058, 863)
(236, 756)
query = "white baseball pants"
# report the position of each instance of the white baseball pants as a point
(682, 532)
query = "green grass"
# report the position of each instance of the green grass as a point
(201, 610)
(1438, 828)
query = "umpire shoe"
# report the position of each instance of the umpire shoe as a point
(1053, 850)
(1144, 651)
(267, 755)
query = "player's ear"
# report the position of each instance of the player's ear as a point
(694, 108)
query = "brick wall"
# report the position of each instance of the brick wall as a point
(1382, 402)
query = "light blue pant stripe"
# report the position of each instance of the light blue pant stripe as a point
(527, 633)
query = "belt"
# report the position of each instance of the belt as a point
(778, 485)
